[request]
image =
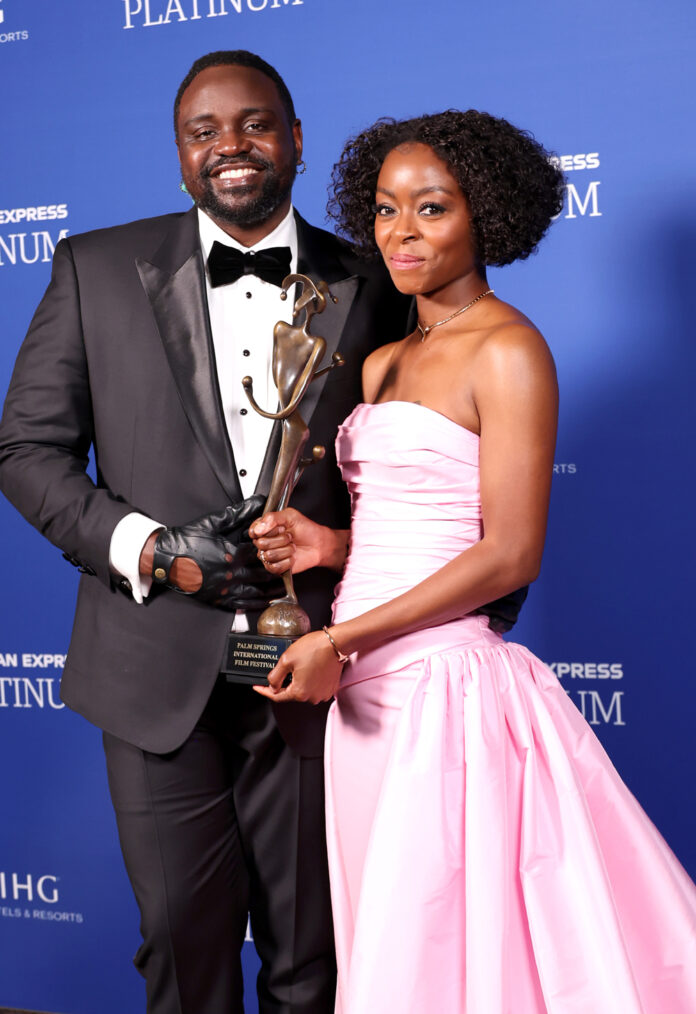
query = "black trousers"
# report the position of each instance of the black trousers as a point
(232, 822)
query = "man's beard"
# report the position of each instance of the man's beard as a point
(276, 188)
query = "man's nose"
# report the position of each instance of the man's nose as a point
(231, 141)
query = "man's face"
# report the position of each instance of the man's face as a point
(237, 151)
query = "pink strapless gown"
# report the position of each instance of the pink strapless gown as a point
(485, 856)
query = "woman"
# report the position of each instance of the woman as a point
(484, 855)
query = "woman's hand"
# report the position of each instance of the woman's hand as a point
(287, 540)
(315, 670)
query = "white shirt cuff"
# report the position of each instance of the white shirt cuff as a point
(127, 541)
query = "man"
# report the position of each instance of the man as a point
(138, 348)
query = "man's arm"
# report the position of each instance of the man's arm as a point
(45, 437)
(47, 430)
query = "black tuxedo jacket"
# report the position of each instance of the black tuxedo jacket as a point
(119, 357)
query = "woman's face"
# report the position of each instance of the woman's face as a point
(422, 225)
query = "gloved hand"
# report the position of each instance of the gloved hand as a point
(219, 544)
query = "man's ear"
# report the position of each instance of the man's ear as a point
(297, 137)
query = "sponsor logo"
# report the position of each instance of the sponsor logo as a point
(35, 246)
(23, 692)
(578, 204)
(588, 670)
(572, 163)
(11, 660)
(155, 13)
(39, 214)
(565, 468)
(25, 887)
(20, 890)
(40, 690)
(20, 36)
(598, 707)
(581, 199)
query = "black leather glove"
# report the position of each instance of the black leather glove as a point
(503, 612)
(219, 543)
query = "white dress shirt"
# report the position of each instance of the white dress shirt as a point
(242, 315)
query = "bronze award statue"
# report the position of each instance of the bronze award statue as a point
(296, 356)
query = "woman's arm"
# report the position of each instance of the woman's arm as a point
(516, 399)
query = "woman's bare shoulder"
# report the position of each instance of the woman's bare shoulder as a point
(375, 369)
(514, 342)
(514, 374)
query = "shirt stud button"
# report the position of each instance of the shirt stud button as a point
(243, 411)
(248, 295)
(246, 352)
(242, 472)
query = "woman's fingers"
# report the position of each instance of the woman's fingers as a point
(276, 678)
(269, 523)
(274, 548)
(265, 692)
(277, 561)
(275, 541)
(279, 555)
(279, 673)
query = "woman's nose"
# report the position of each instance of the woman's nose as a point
(405, 227)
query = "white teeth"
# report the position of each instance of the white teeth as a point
(235, 174)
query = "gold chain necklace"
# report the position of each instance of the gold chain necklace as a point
(426, 330)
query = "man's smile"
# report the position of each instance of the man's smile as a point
(237, 174)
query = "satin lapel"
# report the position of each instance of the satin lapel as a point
(318, 260)
(263, 483)
(174, 284)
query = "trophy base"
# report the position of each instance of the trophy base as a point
(283, 618)
(249, 658)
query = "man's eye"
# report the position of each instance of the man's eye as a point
(200, 135)
(256, 126)
(431, 208)
(382, 210)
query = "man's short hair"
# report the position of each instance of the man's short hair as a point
(236, 58)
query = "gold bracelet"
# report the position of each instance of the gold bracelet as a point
(339, 654)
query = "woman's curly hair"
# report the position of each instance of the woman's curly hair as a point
(512, 188)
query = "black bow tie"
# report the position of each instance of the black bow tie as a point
(226, 264)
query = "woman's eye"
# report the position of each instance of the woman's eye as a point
(431, 208)
(382, 210)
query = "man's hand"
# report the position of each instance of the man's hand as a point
(212, 559)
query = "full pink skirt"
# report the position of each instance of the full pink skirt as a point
(485, 856)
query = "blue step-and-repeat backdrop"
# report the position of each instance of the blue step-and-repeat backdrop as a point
(88, 142)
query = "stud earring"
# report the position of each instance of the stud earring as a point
(182, 188)
(301, 167)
